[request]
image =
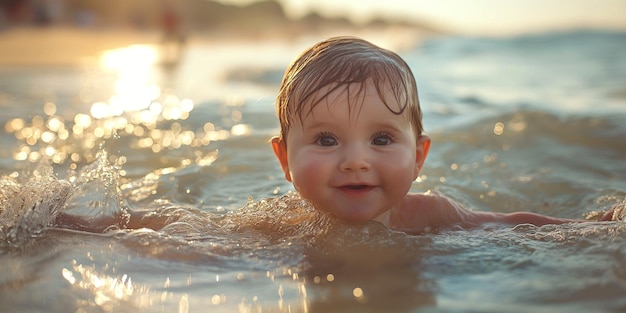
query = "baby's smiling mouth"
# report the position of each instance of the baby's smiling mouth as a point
(356, 188)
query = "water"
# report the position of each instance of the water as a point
(526, 123)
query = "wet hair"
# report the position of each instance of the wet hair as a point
(340, 62)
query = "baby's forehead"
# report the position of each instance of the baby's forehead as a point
(352, 96)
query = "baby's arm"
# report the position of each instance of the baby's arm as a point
(124, 220)
(479, 218)
(431, 210)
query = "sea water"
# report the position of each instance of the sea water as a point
(532, 122)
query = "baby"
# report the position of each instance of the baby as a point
(352, 143)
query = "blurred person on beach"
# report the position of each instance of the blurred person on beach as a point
(173, 34)
(15, 12)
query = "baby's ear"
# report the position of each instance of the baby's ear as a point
(280, 151)
(421, 152)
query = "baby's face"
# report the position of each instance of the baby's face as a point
(353, 160)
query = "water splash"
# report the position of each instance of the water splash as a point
(280, 217)
(27, 208)
(616, 213)
(97, 192)
(30, 202)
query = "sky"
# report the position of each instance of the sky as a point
(475, 16)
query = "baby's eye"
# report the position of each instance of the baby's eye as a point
(326, 140)
(382, 139)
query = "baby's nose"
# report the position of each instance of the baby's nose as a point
(355, 158)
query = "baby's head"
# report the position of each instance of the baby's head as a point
(338, 62)
(351, 132)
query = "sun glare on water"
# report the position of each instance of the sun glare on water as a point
(133, 66)
(137, 108)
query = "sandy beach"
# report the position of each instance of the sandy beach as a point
(64, 46)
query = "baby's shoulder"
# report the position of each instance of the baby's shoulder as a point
(420, 212)
(427, 202)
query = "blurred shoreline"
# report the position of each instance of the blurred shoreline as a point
(77, 32)
(63, 46)
(30, 46)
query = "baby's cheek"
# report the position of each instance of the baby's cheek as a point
(308, 170)
(400, 171)
(308, 180)
(400, 162)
